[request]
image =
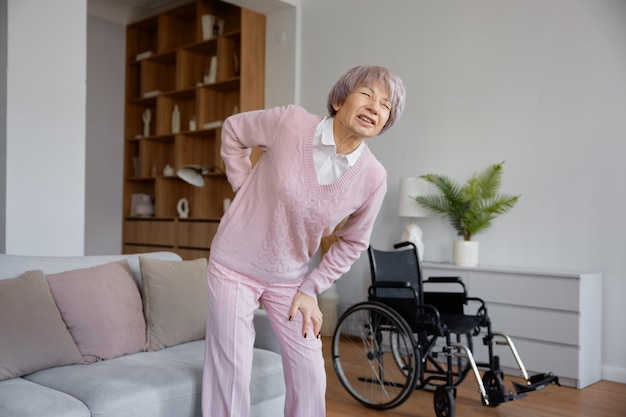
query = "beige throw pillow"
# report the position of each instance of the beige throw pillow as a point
(102, 309)
(175, 301)
(33, 335)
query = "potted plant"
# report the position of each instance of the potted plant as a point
(471, 208)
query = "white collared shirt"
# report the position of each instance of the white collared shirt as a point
(330, 165)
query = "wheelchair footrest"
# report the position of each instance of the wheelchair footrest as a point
(537, 382)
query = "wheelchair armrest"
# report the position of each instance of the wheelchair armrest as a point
(402, 285)
(483, 306)
(444, 279)
(447, 280)
(391, 284)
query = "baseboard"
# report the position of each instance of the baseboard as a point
(613, 373)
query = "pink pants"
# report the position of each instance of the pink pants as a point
(233, 298)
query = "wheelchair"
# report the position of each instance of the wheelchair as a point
(405, 338)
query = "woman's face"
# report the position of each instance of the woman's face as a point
(364, 111)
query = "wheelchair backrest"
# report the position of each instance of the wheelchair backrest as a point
(396, 266)
(399, 266)
(402, 266)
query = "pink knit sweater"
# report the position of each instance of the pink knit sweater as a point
(280, 211)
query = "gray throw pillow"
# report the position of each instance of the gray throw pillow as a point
(175, 301)
(33, 335)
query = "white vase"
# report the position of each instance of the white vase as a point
(176, 119)
(465, 253)
(183, 208)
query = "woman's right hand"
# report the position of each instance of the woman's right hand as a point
(311, 313)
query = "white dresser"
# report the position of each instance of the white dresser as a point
(554, 318)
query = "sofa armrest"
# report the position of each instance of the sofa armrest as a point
(265, 337)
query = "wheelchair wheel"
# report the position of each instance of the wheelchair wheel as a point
(372, 372)
(494, 385)
(443, 400)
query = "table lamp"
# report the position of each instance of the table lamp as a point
(411, 187)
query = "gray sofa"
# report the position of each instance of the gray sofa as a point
(163, 381)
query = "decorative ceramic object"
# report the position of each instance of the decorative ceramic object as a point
(212, 26)
(414, 235)
(175, 119)
(208, 23)
(146, 116)
(168, 171)
(213, 125)
(143, 55)
(141, 205)
(183, 208)
(211, 76)
(192, 123)
(227, 202)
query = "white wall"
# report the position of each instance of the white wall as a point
(106, 47)
(45, 181)
(540, 84)
(3, 119)
(281, 40)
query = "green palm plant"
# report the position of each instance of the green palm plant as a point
(471, 208)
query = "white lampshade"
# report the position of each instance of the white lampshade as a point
(411, 187)
(191, 175)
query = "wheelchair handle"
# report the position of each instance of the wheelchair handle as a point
(403, 244)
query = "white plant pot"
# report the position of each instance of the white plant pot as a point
(465, 253)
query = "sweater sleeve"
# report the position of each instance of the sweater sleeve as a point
(242, 132)
(352, 239)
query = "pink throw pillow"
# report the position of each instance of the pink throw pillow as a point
(102, 309)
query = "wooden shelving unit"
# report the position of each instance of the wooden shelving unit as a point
(168, 61)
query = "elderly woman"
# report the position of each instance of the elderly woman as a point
(314, 172)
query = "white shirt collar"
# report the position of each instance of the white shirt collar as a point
(328, 139)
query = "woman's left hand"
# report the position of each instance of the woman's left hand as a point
(311, 313)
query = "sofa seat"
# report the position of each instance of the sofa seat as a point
(167, 382)
(37, 400)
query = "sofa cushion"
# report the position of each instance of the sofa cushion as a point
(175, 301)
(33, 335)
(166, 383)
(102, 309)
(22, 398)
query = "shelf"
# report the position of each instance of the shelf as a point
(204, 80)
(208, 47)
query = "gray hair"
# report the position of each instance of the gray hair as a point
(368, 75)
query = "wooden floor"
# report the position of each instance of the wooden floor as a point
(602, 399)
